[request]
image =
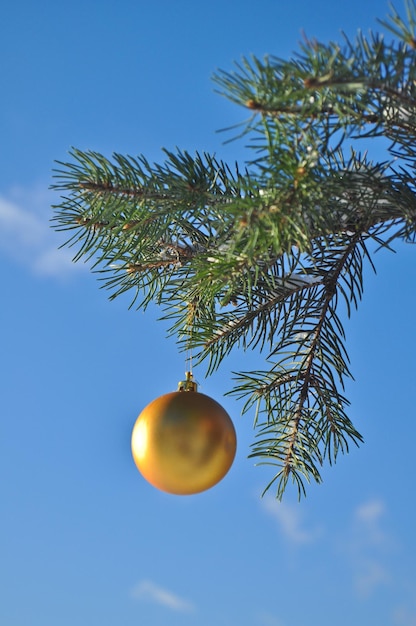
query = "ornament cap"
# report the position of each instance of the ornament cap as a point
(189, 384)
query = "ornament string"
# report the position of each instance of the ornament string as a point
(189, 360)
(188, 384)
(190, 325)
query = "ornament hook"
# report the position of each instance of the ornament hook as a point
(188, 384)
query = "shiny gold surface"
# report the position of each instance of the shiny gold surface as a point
(183, 442)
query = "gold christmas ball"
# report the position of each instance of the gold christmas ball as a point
(183, 442)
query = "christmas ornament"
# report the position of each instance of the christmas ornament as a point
(183, 442)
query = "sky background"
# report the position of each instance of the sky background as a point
(84, 540)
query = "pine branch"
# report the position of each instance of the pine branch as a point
(266, 256)
(299, 397)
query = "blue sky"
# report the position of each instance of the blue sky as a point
(83, 538)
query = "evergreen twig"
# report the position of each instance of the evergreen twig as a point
(268, 256)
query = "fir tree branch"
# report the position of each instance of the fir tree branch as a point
(303, 382)
(267, 256)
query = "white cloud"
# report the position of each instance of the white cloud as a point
(370, 511)
(369, 575)
(26, 236)
(55, 262)
(147, 590)
(18, 223)
(290, 521)
(368, 519)
(404, 616)
(267, 619)
(366, 545)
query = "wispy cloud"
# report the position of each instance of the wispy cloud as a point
(147, 590)
(370, 574)
(290, 521)
(267, 619)
(26, 236)
(403, 616)
(367, 545)
(368, 517)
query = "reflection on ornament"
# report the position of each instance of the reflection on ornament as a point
(184, 442)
